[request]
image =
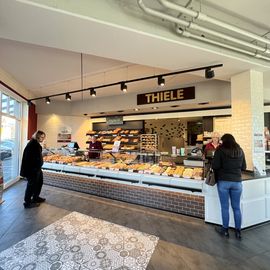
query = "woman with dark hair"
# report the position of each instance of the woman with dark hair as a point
(32, 162)
(229, 161)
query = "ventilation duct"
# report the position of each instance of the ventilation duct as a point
(226, 41)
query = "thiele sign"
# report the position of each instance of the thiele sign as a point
(166, 96)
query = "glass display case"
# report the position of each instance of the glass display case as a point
(136, 162)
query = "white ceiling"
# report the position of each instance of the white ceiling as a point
(41, 45)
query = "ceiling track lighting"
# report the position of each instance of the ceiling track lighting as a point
(209, 73)
(47, 100)
(123, 87)
(93, 92)
(68, 97)
(161, 81)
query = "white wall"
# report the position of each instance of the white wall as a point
(223, 125)
(52, 124)
(12, 83)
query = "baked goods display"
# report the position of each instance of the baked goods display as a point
(129, 139)
(124, 162)
(149, 142)
(123, 157)
(174, 171)
(108, 147)
(188, 172)
(61, 159)
(91, 132)
(197, 173)
(128, 147)
(179, 171)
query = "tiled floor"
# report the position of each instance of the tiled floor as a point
(185, 242)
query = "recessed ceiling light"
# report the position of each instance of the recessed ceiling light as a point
(154, 108)
(85, 114)
(136, 109)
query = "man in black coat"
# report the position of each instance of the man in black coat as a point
(32, 162)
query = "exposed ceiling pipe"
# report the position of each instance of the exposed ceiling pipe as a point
(203, 17)
(204, 39)
(197, 27)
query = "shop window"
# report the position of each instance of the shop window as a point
(10, 122)
(9, 146)
(11, 106)
(4, 103)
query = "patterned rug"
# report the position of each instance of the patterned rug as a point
(81, 242)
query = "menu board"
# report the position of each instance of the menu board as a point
(114, 120)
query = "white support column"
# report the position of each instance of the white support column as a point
(248, 116)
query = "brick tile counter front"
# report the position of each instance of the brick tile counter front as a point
(183, 203)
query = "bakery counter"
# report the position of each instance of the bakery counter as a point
(181, 195)
(255, 202)
(139, 177)
(173, 194)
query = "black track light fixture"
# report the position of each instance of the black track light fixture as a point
(161, 81)
(123, 87)
(93, 92)
(68, 97)
(209, 73)
(47, 100)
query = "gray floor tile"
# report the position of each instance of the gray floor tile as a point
(185, 242)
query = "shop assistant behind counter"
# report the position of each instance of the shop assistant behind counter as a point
(94, 148)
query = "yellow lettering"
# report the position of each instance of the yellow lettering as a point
(180, 94)
(172, 96)
(166, 96)
(148, 98)
(155, 97)
(161, 96)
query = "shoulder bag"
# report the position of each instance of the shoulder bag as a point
(210, 177)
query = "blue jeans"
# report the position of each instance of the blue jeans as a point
(232, 190)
